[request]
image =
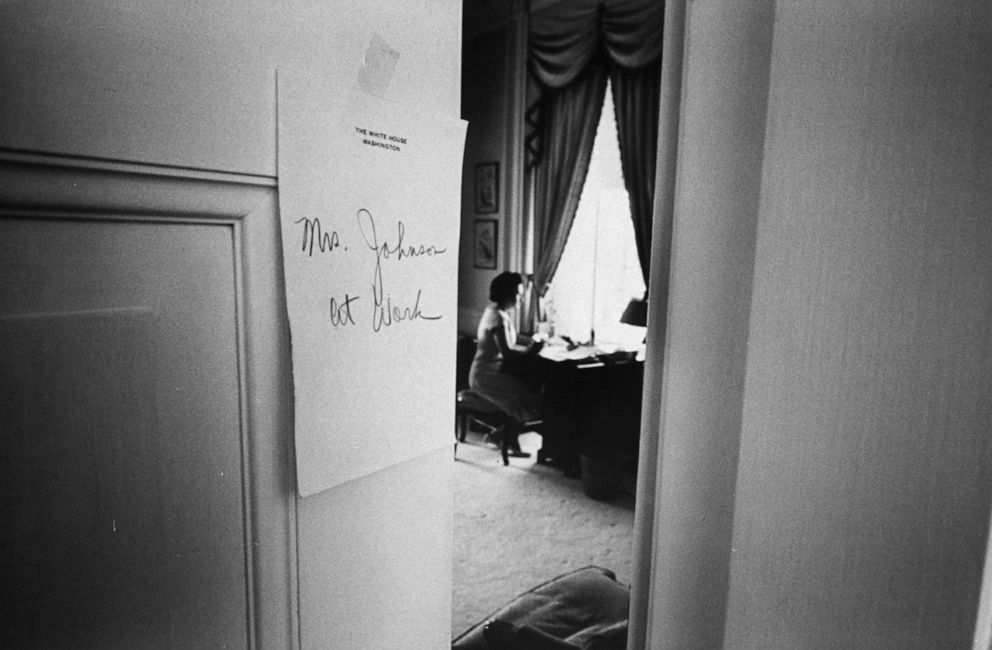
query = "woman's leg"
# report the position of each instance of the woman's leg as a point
(514, 429)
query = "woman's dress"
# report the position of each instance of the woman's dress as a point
(487, 375)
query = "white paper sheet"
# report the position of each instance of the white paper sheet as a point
(369, 198)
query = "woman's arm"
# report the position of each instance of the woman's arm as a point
(521, 346)
(524, 340)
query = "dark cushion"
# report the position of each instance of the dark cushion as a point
(472, 401)
(586, 609)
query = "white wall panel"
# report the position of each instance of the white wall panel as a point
(123, 471)
(192, 84)
(863, 486)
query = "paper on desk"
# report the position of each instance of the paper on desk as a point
(562, 353)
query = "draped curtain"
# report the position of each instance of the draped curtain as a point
(574, 47)
(636, 97)
(570, 120)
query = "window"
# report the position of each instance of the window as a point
(599, 271)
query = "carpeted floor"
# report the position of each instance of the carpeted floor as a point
(519, 526)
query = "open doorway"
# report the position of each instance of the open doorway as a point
(531, 132)
(521, 525)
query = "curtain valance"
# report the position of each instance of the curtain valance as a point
(574, 46)
(566, 36)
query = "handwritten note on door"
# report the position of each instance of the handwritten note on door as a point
(369, 198)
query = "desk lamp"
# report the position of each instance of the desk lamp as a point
(636, 312)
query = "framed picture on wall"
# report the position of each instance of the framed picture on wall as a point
(486, 243)
(487, 187)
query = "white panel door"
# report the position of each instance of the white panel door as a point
(122, 469)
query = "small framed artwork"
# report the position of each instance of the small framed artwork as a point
(486, 243)
(487, 187)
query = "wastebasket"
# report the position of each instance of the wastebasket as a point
(602, 472)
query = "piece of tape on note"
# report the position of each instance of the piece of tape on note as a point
(378, 66)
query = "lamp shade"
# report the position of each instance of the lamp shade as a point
(636, 313)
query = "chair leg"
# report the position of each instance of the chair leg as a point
(458, 424)
(496, 424)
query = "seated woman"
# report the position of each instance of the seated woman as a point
(497, 346)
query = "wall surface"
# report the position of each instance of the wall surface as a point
(723, 128)
(859, 499)
(864, 479)
(192, 84)
(484, 106)
(189, 88)
(492, 103)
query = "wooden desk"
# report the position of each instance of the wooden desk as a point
(590, 400)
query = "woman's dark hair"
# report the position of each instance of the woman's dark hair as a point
(504, 287)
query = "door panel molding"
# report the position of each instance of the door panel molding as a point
(39, 187)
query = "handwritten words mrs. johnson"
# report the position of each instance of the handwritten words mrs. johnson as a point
(345, 308)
